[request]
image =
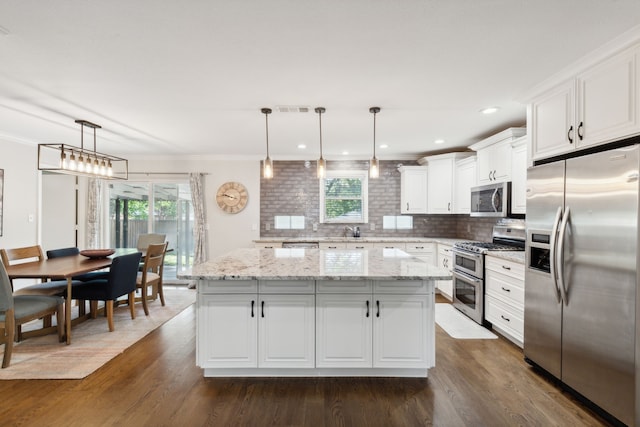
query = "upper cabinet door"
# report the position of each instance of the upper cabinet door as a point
(465, 178)
(440, 186)
(598, 106)
(413, 183)
(552, 115)
(607, 101)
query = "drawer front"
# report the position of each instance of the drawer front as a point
(505, 287)
(505, 317)
(420, 247)
(327, 245)
(444, 250)
(401, 287)
(510, 268)
(343, 286)
(359, 245)
(227, 286)
(286, 286)
(390, 245)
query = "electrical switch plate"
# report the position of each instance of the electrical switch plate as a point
(372, 226)
(31, 217)
(315, 227)
(267, 226)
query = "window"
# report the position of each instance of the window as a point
(343, 197)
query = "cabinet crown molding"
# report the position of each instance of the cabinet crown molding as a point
(508, 134)
(454, 155)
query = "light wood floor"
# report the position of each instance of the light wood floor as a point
(156, 383)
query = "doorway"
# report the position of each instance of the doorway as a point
(154, 207)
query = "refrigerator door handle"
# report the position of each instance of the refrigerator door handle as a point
(552, 254)
(560, 255)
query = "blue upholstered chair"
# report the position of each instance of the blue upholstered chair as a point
(20, 309)
(72, 251)
(120, 281)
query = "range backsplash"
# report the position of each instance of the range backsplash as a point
(294, 190)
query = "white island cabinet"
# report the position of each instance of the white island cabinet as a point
(315, 313)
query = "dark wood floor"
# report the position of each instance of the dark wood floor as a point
(156, 383)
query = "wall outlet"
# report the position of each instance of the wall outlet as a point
(267, 226)
(372, 226)
(315, 226)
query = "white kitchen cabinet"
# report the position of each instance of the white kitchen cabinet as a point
(227, 331)
(332, 245)
(465, 178)
(251, 330)
(494, 156)
(380, 330)
(598, 105)
(445, 260)
(519, 176)
(344, 330)
(359, 245)
(267, 245)
(504, 287)
(413, 190)
(401, 338)
(441, 181)
(286, 331)
(426, 252)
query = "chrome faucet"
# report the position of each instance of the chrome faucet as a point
(348, 229)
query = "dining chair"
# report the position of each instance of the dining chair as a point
(151, 274)
(26, 254)
(144, 240)
(20, 309)
(120, 281)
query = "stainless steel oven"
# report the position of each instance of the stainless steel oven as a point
(468, 283)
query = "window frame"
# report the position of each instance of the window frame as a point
(363, 176)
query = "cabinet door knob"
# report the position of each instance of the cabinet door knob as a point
(252, 304)
(378, 308)
(407, 205)
(367, 308)
(262, 314)
(449, 207)
(569, 135)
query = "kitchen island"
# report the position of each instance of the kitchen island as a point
(315, 312)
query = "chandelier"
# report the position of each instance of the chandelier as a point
(71, 160)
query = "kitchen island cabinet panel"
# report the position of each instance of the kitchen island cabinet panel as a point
(401, 336)
(227, 331)
(286, 331)
(343, 332)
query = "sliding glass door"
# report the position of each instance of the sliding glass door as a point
(154, 207)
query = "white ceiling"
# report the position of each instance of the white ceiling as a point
(189, 77)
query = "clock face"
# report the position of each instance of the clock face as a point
(232, 197)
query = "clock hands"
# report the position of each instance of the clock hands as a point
(229, 196)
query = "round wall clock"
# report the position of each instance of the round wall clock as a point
(232, 197)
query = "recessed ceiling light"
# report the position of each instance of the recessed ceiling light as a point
(302, 146)
(489, 110)
(345, 153)
(439, 141)
(383, 146)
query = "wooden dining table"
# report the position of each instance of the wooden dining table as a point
(63, 268)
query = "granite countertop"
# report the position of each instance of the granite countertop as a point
(314, 264)
(515, 256)
(370, 239)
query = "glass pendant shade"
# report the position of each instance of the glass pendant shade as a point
(267, 170)
(322, 168)
(374, 168)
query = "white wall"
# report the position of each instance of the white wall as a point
(21, 196)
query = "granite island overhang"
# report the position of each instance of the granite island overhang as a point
(315, 312)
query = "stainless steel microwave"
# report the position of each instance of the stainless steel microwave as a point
(491, 200)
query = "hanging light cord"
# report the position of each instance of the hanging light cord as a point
(320, 120)
(266, 121)
(374, 133)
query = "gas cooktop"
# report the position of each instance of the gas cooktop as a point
(482, 247)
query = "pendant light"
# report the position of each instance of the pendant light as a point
(322, 166)
(374, 166)
(72, 160)
(267, 171)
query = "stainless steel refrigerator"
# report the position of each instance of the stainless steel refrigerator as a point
(581, 276)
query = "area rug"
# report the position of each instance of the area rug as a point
(459, 326)
(92, 345)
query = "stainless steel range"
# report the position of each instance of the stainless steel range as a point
(468, 266)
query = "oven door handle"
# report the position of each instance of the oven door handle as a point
(467, 277)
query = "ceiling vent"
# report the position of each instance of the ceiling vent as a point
(293, 109)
